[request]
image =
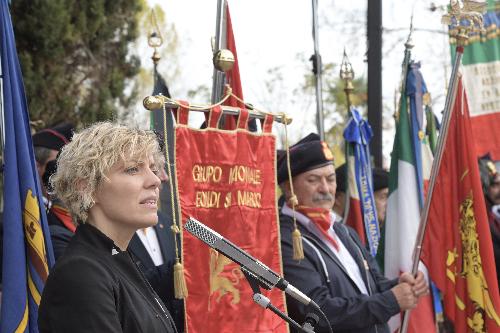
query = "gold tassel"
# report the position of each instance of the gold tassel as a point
(180, 288)
(298, 250)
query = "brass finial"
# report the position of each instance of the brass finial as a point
(466, 19)
(347, 74)
(155, 39)
(409, 41)
(153, 103)
(223, 60)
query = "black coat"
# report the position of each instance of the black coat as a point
(95, 287)
(323, 278)
(161, 277)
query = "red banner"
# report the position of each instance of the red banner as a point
(227, 180)
(457, 247)
(233, 75)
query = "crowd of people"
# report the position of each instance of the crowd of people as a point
(114, 269)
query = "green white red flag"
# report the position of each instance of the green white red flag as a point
(481, 76)
(410, 169)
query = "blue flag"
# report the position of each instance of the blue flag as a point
(415, 89)
(27, 250)
(357, 135)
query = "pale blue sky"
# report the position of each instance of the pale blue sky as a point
(277, 33)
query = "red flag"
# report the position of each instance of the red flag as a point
(457, 247)
(233, 75)
(228, 182)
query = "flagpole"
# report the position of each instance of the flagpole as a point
(220, 39)
(347, 75)
(406, 62)
(2, 117)
(462, 37)
(317, 70)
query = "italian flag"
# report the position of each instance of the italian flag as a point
(403, 213)
(481, 68)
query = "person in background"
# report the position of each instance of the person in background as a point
(47, 143)
(380, 191)
(336, 272)
(341, 190)
(490, 180)
(108, 177)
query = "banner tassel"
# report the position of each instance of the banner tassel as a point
(298, 250)
(180, 288)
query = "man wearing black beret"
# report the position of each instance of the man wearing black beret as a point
(334, 269)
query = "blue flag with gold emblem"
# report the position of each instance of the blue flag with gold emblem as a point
(27, 250)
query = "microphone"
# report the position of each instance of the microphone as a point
(266, 277)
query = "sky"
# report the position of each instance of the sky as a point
(274, 38)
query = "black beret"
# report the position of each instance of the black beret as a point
(341, 177)
(307, 154)
(380, 179)
(55, 137)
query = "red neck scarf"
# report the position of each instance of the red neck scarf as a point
(321, 219)
(65, 217)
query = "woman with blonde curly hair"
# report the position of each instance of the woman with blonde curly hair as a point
(107, 176)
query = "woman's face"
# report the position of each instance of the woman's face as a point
(129, 199)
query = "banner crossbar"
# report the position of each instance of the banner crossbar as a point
(157, 102)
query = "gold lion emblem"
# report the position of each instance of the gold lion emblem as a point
(472, 269)
(222, 285)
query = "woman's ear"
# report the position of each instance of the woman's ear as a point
(82, 186)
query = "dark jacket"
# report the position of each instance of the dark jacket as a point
(322, 277)
(161, 277)
(495, 238)
(95, 287)
(60, 237)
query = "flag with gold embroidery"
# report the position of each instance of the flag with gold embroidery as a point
(227, 180)
(481, 71)
(457, 247)
(27, 250)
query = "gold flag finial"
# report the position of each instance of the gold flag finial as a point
(155, 40)
(465, 19)
(347, 75)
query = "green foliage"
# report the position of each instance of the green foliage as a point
(75, 57)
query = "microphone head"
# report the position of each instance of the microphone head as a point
(201, 231)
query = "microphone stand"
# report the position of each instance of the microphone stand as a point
(311, 318)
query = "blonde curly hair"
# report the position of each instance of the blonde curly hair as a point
(84, 162)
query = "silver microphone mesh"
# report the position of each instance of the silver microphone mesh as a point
(201, 231)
